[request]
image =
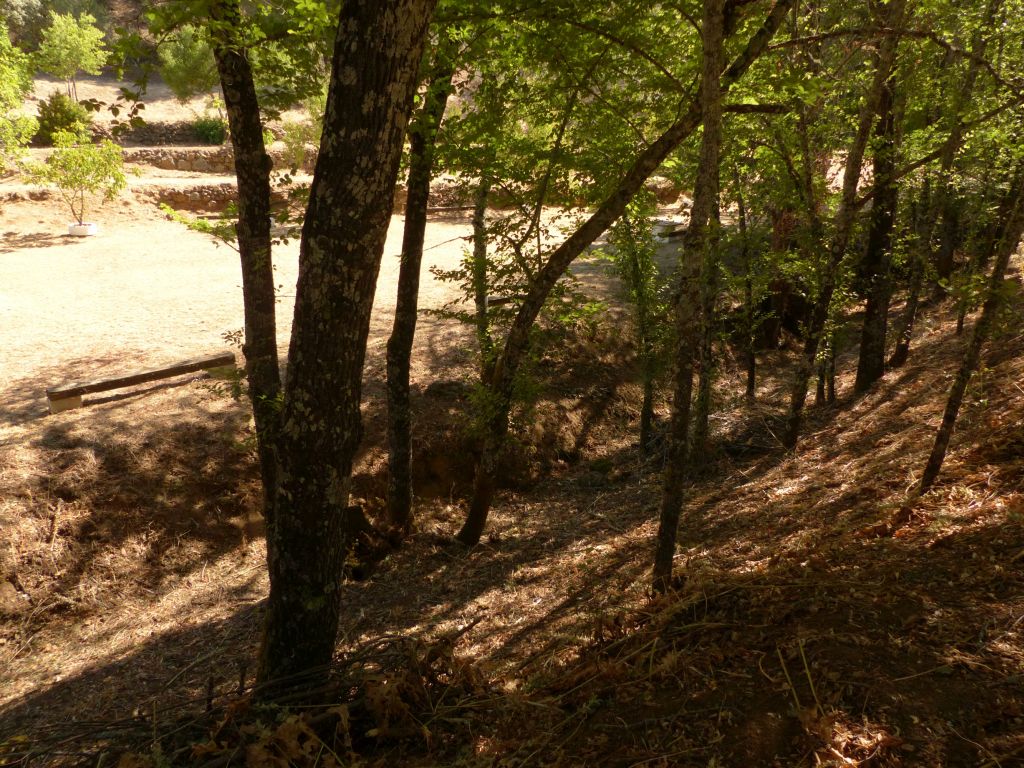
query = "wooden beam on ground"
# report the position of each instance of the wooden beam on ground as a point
(69, 396)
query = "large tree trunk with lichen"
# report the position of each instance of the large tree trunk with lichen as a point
(252, 170)
(1008, 243)
(422, 134)
(692, 305)
(516, 346)
(376, 57)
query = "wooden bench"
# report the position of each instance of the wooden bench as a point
(69, 396)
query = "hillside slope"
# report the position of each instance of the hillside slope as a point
(822, 618)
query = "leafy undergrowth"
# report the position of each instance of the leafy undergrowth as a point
(823, 616)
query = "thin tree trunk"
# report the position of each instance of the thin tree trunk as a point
(830, 370)
(842, 226)
(918, 250)
(878, 255)
(376, 57)
(479, 276)
(484, 477)
(516, 344)
(695, 257)
(1008, 242)
(422, 135)
(982, 253)
(252, 170)
(949, 237)
(646, 347)
(708, 327)
(749, 316)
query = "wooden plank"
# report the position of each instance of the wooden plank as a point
(117, 382)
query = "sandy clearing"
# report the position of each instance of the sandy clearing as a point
(147, 291)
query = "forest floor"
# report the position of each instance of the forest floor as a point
(823, 616)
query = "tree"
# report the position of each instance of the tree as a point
(632, 238)
(70, 46)
(79, 171)
(422, 137)
(1009, 240)
(690, 307)
(377, 53)
(187, 63)
(15, 84)
(508, 360)
(252, 171)
(876, 263)
(846, 214)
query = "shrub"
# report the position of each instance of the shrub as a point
(210, 130)
(81, 170)
(15, 83)
(187, 64)
(61, 114)
(297, 138)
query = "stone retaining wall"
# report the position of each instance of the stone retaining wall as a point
(216, 160)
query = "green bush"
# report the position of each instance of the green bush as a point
(210, 130)
(15, 83)
(187, 65)
(61, 114)
(81, 171)
(297, 140)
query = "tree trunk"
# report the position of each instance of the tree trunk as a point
(252, 170)
(708, 326)
(842, 225)
(699, 243)
(1008, 242)
(422, 136)
(376, 56)
(749, 315)
(479, 276)
(830, 370)
(877, 261)
(918, 250)
(516, 343)
(987, 231)
(949, 236)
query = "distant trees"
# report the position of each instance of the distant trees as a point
(15, 83)
(69, 46)
(187, 64)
